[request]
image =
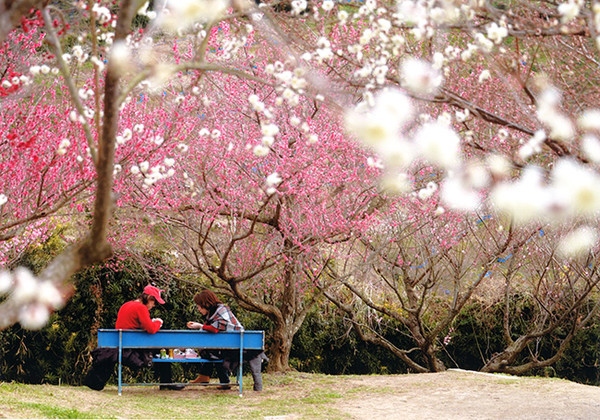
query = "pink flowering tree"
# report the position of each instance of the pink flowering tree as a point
(258, 204)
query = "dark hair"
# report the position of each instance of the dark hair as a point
(206, 299)
(145, 298)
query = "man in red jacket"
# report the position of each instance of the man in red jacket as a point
(133, 315)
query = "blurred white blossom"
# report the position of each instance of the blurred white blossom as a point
(577, 187)
(525, 199)
(590, 120)
(6, 281)
(578, 242)
(590, 145)
(419, 76)
(439, 144)
(568, 11)
(33, 316)
(180, 14)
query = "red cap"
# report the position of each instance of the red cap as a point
(154, 292)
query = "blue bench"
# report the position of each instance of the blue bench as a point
(178, 339)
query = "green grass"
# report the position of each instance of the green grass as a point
(54, 412)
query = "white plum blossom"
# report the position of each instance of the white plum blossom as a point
(169, 161)
(419, 76)
(412, 12)
(396, 183)
(374, 162)
(62, 147)
(578, 242)
(273, 179)
(426, 193)
(590, 145)
(456, 194)
(533, 146)
(589, 120)
(299, 6)
(328, 5)
(498, 165)
(439, 144)
(3, 199)
(270, 130)
(182, 147)
(484, 75)
(496, 32)
(267, 141)
(397, 153)
(260, 150)
(6, 281)
(525, 199)
(577, 187)
(568, 11)
(381, 123)
(559, 124)
(49, 295)
(181, 14)
(461, 116)
(25, 285)
(34, 316)
(101, 13)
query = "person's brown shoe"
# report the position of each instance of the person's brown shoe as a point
(201, 379)
(224, 387)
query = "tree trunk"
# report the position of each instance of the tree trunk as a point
(279, 353)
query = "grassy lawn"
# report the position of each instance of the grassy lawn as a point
(450, 395)
(293, 395)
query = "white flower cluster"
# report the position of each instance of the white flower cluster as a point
(63, 146)
(36, 298)
(272, 182)
(496, 32)
(596, 10)
(420, 76)
(568, 11)
(379, 126)
(178, 15)
(299, 6)
(155, 173)
(101, 13)
(124, 137)
(43, 69)
(548, 112)
(533, 146)
(21, 80)
(571, 193)
(3, 199)
(143, 11)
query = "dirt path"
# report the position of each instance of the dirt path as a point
(471, 395)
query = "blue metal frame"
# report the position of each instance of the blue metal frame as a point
(137, 339)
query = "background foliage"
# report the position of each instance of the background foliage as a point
(326, 343)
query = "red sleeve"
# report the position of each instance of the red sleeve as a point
(134, 315)
(145, 322)
(210, 328)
